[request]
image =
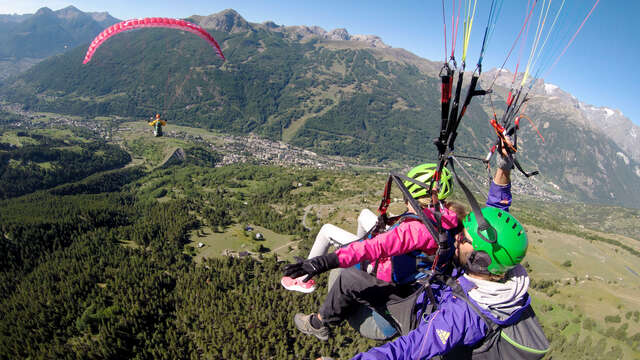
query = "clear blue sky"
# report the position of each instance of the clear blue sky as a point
(599, 68)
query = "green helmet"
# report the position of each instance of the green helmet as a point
(424, 173)
(506, 246)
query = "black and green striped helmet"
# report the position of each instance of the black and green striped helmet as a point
(424, 173)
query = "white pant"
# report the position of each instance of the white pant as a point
(331, 234)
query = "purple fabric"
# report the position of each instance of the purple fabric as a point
(499, 196)
(453, 324)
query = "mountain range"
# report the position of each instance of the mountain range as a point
(29, 38)
(333, 93)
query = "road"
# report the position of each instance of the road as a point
(304, 217)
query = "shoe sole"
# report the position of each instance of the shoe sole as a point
(297, 288)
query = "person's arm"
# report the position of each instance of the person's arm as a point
(499, 195)
(502, 177)
(408, 236)
(443, 330)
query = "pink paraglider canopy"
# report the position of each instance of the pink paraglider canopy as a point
(150, 22)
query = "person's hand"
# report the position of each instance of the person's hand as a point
(311, 267)
(505, 156)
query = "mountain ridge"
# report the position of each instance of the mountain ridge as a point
(30, 38)
(230, 21)
(335, 97)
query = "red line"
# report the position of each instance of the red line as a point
(455, 32)
(515, 42)
(572, 38)
(526, 35)
(444, 23)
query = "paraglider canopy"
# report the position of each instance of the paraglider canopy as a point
(150, 22)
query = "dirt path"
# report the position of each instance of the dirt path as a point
(304, 217)
(287, 244)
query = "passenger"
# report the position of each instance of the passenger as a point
(406, 237)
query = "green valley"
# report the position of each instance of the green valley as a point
(137, 282)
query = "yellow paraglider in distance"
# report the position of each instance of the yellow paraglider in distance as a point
(157, 124)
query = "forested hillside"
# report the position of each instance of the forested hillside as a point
(30, 161)
(108, 267)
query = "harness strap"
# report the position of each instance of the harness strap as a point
(519, 167)
(483, 225)
(446, 76)
(414, 204)
(461, 294)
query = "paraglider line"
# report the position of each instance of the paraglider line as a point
(514, 43)
(444, 23)
(572, 38)
(455, 29)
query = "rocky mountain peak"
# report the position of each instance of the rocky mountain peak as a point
(303, 32)
(231, 22)
(68, 13)
(43, 11)
(546, 97)
(371, 40)
(339, 34)
(270, 25)
(103, 18)
(227, 20)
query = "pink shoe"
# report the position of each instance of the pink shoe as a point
(297, 284)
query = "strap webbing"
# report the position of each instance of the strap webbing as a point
(461, 294)
(423, 218)
(483, 225)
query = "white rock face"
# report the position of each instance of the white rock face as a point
(550, 88)
(372, 40)
(338, 34)
(624, 157)
(609, 112)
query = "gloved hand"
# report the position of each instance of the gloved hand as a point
(312, 267)
(504, 162)
(505, 157)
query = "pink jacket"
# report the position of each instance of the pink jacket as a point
(408, 236)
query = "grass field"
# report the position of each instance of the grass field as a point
(11, 137)
(236, 239)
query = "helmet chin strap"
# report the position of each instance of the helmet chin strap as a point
(478, 263)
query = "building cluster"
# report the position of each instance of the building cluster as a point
(250, 148)
(33, 120)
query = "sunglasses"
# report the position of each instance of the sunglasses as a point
(462, 238)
